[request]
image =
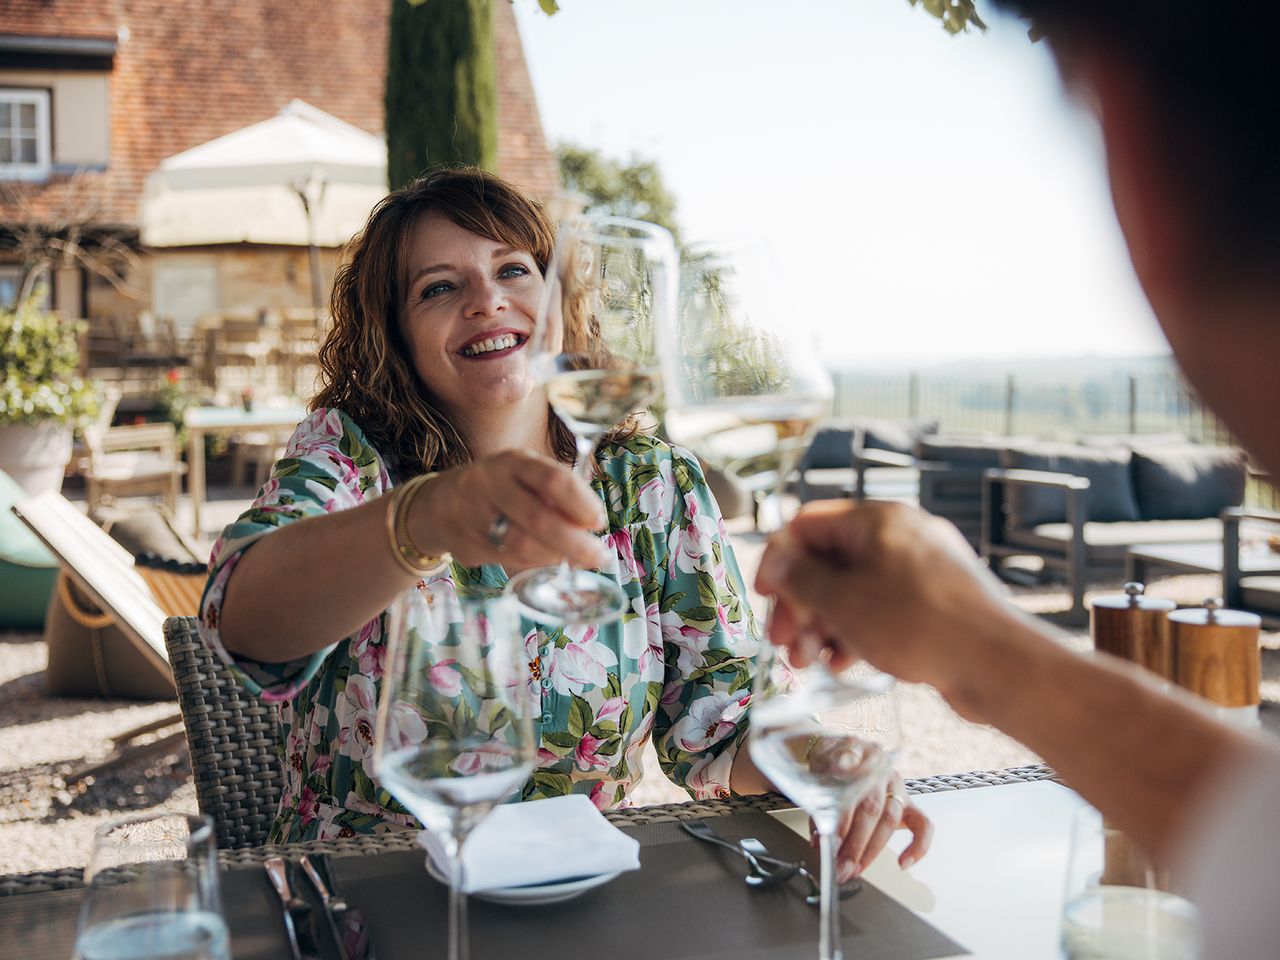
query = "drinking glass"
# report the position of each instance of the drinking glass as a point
(454, 736)
(611, 285)
(826, 740)
(745, 387)
(153, 891)
(1118, 903)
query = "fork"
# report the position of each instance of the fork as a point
(757, 858)
(814, 897)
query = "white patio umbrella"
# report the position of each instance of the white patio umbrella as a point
(302, 178)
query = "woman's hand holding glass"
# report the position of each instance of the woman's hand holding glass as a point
(548, 512)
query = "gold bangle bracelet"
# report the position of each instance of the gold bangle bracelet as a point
(410, 558)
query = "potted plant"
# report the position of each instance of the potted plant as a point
(41, 398)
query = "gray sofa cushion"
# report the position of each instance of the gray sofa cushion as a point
(899, 436)
(1187, 481)
(972, 453)
(1110, 492)
(1109, 541)
(1260, 594)
(831, 447)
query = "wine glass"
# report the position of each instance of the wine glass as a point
(454, 736)
(153, 891)
(745, 388)
(826, 741)
(611, 285)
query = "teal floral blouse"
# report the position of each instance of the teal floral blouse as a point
(677, 667)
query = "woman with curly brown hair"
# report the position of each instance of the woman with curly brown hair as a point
(427, 415)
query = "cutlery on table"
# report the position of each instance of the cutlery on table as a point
(294, 911)
(765, 870)
(814, 897)
(346, 923)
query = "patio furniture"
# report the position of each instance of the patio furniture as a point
(862, 459)
(201, 421)
(1079, 509)
(951, 469)
(1000, 847)
(232, 739)
(126, 461)
(1251, 576)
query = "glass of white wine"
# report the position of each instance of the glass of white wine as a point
(1119, 904)
(826, 741)
(454, 735)
(611, 286)
(745, 387)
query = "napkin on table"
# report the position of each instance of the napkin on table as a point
(539, 841)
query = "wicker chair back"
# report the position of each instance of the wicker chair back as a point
(232, 738)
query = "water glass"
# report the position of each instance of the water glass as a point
(153, 891)
(1118, 903)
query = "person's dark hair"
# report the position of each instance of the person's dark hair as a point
(1211, 72)
(364, 360)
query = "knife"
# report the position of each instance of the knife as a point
(347, 924)
(294, 911)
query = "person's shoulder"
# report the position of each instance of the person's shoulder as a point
(333, 425)
(645, 452)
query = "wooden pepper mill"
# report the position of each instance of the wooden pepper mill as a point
(1135, 627)
(1216, 655)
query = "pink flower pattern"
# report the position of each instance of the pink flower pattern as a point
(616, 687)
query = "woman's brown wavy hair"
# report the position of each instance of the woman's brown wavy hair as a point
(364, 360)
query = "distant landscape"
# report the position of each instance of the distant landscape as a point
(1049, 397)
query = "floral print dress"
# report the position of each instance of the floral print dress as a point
(677, 667)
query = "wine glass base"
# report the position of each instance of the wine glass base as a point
(549, 596)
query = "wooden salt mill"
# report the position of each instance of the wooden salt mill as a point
(1135, 627)
(1216, 655)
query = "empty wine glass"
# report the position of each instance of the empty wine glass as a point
(454, 736)
(745, 387)
(826, 741)
(153, 891)
(610, 287)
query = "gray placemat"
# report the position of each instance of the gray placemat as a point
(686, 901)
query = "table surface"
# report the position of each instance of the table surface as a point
(1206, 556)
(230, 418)
(992, 882)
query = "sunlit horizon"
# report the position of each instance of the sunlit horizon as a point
(930, 199)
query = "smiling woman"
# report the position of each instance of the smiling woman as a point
(432, 455)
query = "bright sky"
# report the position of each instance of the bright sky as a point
(929, 197)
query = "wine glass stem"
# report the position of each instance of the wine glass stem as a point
(459, 944)
(829, 922)
(582, 467)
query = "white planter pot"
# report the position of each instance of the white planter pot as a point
(36, 456)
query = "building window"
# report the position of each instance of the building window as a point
(24, 134)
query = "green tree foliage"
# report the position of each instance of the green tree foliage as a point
(956, 15)
(442, 87)
(631, 188)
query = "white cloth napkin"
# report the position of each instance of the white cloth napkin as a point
(539, 841)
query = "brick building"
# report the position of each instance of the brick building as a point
(95, 93)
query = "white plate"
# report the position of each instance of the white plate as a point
(533, 894)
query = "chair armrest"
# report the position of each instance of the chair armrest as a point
(1034, 478)
(142, 436)
(882, 458)
(1234, 515)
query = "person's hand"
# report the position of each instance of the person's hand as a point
(549, 513)
(881, 581)
(865, 830)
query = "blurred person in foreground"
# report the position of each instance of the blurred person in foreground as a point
(432, 454)
(1185, 97)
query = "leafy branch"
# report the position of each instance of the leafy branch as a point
(956, 15)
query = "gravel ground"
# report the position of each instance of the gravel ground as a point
(44, 824)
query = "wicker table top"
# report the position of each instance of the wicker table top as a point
(364, 844)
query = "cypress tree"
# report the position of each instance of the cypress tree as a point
(442, 96)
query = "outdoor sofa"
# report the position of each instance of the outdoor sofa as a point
(1079, 508)
(862, 459)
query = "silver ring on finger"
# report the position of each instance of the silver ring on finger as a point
(498, 531)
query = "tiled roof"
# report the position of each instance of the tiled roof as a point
(186, 72)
